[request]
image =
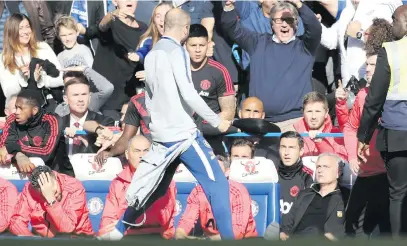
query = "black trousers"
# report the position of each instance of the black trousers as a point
(396, 165)
(368, 207)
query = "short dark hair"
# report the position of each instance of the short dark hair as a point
(74, 74)
(33, 97)
(314, 97)
(240, 142)
(36, 174)
(198, 31)
(76, 81)
(293, 134)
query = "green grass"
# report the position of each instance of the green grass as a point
(154, 240)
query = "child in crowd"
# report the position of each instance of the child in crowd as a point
(151, 36)
(154, 32)
(74, 54)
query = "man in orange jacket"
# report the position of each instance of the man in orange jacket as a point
(53, 203)
(243, 223)
(159, 218)
(8, 200)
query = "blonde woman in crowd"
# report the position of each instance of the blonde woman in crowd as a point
(152, 35)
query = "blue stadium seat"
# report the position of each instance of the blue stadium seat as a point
(19, 184)
(183, 191)
(265, 202)
(96, 192)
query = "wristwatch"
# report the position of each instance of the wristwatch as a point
(99, 128)
(359, 35)
(52, 203)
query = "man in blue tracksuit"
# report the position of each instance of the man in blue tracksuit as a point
(171, 100)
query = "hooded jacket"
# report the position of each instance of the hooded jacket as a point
(68, 216)
(159, 217)
(292, 180)
(332, 145)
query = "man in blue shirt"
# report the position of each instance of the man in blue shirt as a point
(281, 64)
(255, 16)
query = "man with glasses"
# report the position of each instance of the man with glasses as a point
(272, 56)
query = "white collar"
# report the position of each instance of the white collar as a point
(81, 121)
(275, 39)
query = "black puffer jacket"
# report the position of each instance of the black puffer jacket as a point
(292, 180)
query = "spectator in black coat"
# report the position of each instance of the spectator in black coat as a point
(319, 210)
(293, 176)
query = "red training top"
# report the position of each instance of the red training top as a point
(70, 215)
(244, 225)
(8, 200)
(159, 217)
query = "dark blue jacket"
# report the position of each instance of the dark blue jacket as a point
(280, 74)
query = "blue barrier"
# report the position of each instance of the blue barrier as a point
(271, 134)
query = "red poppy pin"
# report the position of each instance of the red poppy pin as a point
(294, 191)
(37, 141)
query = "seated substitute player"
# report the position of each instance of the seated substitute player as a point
(31, 132)
(8, 200)
(53, 204)
(159, 218)
(198, 207)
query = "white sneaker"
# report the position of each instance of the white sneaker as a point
(114, 235)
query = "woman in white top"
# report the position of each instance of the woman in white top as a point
(19, 46)
(353, 25)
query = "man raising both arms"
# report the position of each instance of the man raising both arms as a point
(171, 100)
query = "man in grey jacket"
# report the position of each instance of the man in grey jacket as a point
(97, 99)
(171, 100)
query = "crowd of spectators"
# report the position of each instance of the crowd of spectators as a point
(290, 66)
